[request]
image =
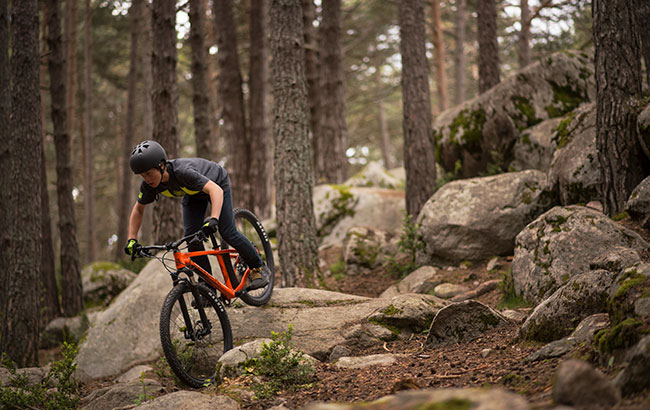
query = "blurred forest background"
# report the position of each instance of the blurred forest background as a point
(371, 69)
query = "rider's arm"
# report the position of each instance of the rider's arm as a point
(135, 221)
(216, 197)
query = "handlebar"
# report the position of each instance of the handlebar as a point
(198, 236)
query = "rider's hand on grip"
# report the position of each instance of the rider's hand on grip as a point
(132, 248)
(210, 226)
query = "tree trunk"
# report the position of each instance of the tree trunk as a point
(19, 294)
(439, 62)
(643, 20)
(5, 158)
(147, 228)
(165, 98)
(126, 199)
(383, 126)
(419, 158)
(312, 74)
(524, 35)
(618, 85)
(70, 21)
(488, 46)
(200, 83)
(50, 307)
(459, 55)
(297, 244)
(261, 173)
(89, 188)
(72, 294)
(333, 130)
(232, 102)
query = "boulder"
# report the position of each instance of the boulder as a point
(102, 281)
(422, 280)
(575, 171)
(367, 249)
(231, 360)
(338, 208)
(126, 333)
(638, 205)
(188, 400)
(629, 293)
(67, 329)
(479, 399)
(449, 290)
(375, 175)
(122, 394)
(561, 244)
(577, 383)
(475, 219)
(482, 131)
(535, 146)
(34, 375)
(634, 377)
(558, 315)
(463, 321)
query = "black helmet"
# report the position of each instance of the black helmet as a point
(147, 155)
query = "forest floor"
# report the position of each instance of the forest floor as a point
(451, 366)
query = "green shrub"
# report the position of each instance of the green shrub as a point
(410, 242)
(65, 395)
(280, 366)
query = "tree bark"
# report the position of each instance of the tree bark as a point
(297, 245)
(643, 20)
(333, 130)
(70, 22)
(147, 229)
(488, 46)
(618, 86)
(200, 83)
(5, 158)
(89, 188)
(232, 102)
(126, 199)
(165, 99)
(459, 54)
(312, 74)
(524, 34)
(439, 61)
(72, 294)
(261, 173)
(19, 294)
(383, 126)
(419, 158)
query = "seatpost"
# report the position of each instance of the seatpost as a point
(214, 241)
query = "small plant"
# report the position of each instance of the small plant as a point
(279, 366)
(19, 395)
(410, 242)
(144, 396)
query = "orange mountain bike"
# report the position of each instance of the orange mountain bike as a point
(194, 326)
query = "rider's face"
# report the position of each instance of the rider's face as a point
(152, 177)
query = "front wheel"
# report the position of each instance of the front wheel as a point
(248, 224)
(193, 346)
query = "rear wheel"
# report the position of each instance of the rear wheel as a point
(193, 346)
(248, 224)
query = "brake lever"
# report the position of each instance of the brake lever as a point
(198, 238)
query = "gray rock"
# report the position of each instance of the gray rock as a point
(642, 307)
(476, 399)
(70, 329)
(367, 361)
(615, 259)
(628, 292)
(122, 394)
(575, 171)
(480, 290)
(515, 315)
(449, 290)
(232, 359)
(561, 244)
(535, 146)
(338, 352)
(339, 208)
(556, 348)
(638, 205)
(367, 249)
(190, 400)
(375, 175)
(634, 377)
(483, 130)
(134, 374)
(408, 313)
(463, 321)
(492, 264)
(102, 281)
(422, 280)
(577, 383)
(558, 315)
(482, 216)
(35, 375)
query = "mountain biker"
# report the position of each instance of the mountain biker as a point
(200, 182)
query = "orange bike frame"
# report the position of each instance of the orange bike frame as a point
(183, 260)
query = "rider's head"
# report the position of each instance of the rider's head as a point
(147, 158)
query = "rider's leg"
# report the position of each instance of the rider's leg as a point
(194, 210)
(230, 234)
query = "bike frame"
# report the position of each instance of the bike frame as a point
(183, 260)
